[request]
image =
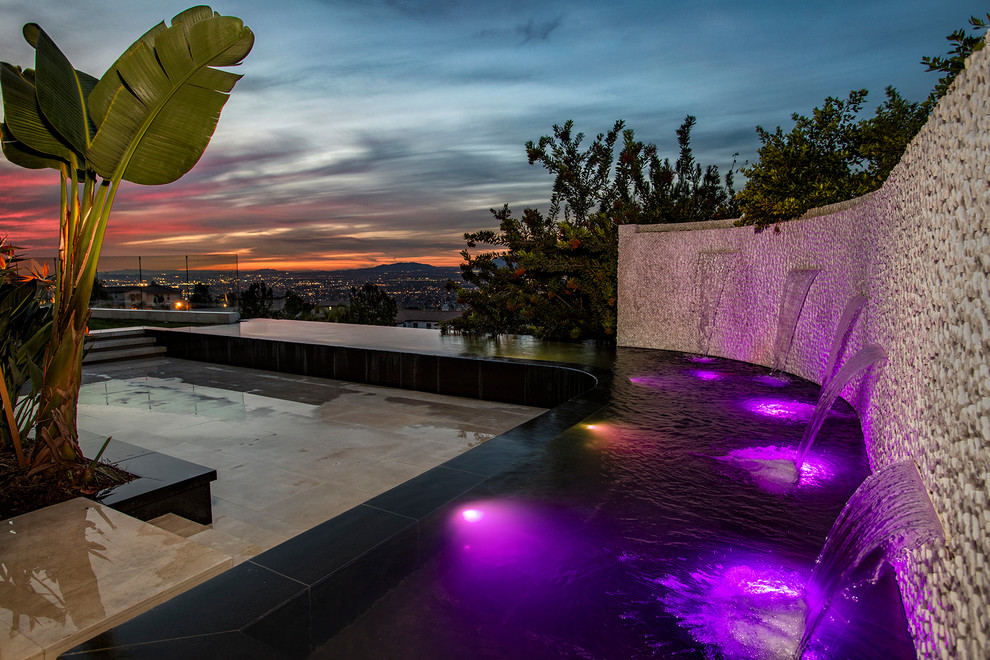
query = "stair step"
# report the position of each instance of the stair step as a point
(101, 344)
(115, 333)
(240, 550)
(123, 354)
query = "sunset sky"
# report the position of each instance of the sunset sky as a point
(375, 131)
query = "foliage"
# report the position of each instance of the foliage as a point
(25, 327)
(554, 276)
(552, 280)
(201, 295)
(257, 301)
(296, 307)
(955, 61)
(370, 305)
(147, 121)
(828, 157)
(831, 157)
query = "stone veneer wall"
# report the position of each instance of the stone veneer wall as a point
(920, 249)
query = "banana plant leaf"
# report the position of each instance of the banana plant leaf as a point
(157, 107)
(24, 122)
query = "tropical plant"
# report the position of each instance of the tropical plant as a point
(146, 121)
(25, 327)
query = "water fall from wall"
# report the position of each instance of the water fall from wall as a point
(795, 293)
(865, 358)
(888, 515)
(851, 314)
(714, 269)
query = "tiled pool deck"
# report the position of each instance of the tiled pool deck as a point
(229, 413)
(290, 451)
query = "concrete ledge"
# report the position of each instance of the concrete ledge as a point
(205, 317)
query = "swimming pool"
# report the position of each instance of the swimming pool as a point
(663, 526)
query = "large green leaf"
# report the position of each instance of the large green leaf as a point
(20, 154)
(158, 105)
(62, 92)
(23, 119)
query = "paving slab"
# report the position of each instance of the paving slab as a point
(75, 569)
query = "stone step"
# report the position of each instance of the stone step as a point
(115, 333)
(239, 550)
(86, 569)
(123, 354)
(105, 344)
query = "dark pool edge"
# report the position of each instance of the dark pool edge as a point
(162, 484)
(335, 571)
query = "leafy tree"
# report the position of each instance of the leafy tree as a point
(832, 156)
(554, 280)
(146, 121)
(554, 276)
(370, 305)
(816, 163)
(295, 307)
(201, 295)
(257, 301)
(955, 61)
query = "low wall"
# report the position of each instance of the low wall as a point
(194, 317)
(919, 248)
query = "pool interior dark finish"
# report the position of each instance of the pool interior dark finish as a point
(664, 530)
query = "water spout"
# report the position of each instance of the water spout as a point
(795, 293)
(866, 357)
(889, 514)
(714, 269)
(847, 322)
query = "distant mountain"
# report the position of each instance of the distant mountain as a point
(403, 268)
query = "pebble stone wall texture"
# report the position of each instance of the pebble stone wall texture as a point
(919, 248)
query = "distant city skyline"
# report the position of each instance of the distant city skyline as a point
(379, 131)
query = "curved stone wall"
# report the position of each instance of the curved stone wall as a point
(919, 248)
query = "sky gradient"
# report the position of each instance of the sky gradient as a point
(375, 131)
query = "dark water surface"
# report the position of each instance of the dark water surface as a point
(669, 525)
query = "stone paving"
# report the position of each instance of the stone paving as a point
(290, 451)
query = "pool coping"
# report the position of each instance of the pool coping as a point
(333, 572)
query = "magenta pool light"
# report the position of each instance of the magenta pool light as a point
(786, 409)
(472, 515)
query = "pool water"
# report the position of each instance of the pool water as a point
(671, 524)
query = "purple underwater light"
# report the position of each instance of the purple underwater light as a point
(786, 409)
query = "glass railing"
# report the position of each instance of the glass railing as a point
(176, 282)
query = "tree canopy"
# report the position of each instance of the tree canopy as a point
(834, 155)
(554, 275)
(370, 305)
(828, 157)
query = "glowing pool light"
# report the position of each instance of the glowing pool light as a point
(706, 375)
(702, 359)
(781, 409)
(772, 468)
(472, 515)
(772, 381)
(745, 611)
